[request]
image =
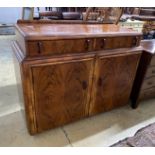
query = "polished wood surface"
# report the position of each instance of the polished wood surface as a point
(115, 75)
(43, 48)
(116, 42)
(62, 92)
(45, 21)
(71, 72)
(51, 39)
(33, 31)
(144, 83)
(59, 47)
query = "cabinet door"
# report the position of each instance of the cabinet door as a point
(114, 80)
(61, 92)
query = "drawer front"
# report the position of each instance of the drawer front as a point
(59, 47)
(152, 63)
(52, 47)
(150, 72)
(148, 83)
(116, 42)
(146, 94)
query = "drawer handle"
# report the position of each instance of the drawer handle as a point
(39, 44)
(135, 41)
(100, 82)
(87, 42)
(103, 43)
(149, 83)
(153, 71)
(84, 85)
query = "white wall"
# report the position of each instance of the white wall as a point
(10, 15)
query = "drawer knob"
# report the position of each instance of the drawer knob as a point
(103, 43)
(39, 44)
(87, 43)
(153, 71)
(149, 83)
(100, 82)
(84, 85)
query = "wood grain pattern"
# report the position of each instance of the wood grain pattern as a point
(60, 47)
(32, 31)
(61, 93)
(51, 39)
(25, 88)
(116, 42)
(114, 81)
(44, 48)
(67, 79)
(47, 21)
(21, 42)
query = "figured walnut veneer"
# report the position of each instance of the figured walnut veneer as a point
(69, 72)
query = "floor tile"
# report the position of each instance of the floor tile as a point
(13, 132)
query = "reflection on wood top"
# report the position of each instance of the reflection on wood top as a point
(32, 31)
(148, 45)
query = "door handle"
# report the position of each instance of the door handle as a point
(100, 82)
(84, 85)
(149, 83)
(153, 71)
(39, 44)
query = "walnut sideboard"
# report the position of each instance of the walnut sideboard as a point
(71, 71)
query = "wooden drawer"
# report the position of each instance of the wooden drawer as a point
(148, 83)
(150, 72)
(116, 42)
(146, 94)
(36, 48)
(152, 63)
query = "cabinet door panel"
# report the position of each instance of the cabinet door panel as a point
(61, 92)
(114, 81)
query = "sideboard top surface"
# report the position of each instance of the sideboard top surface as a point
(33, 31)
